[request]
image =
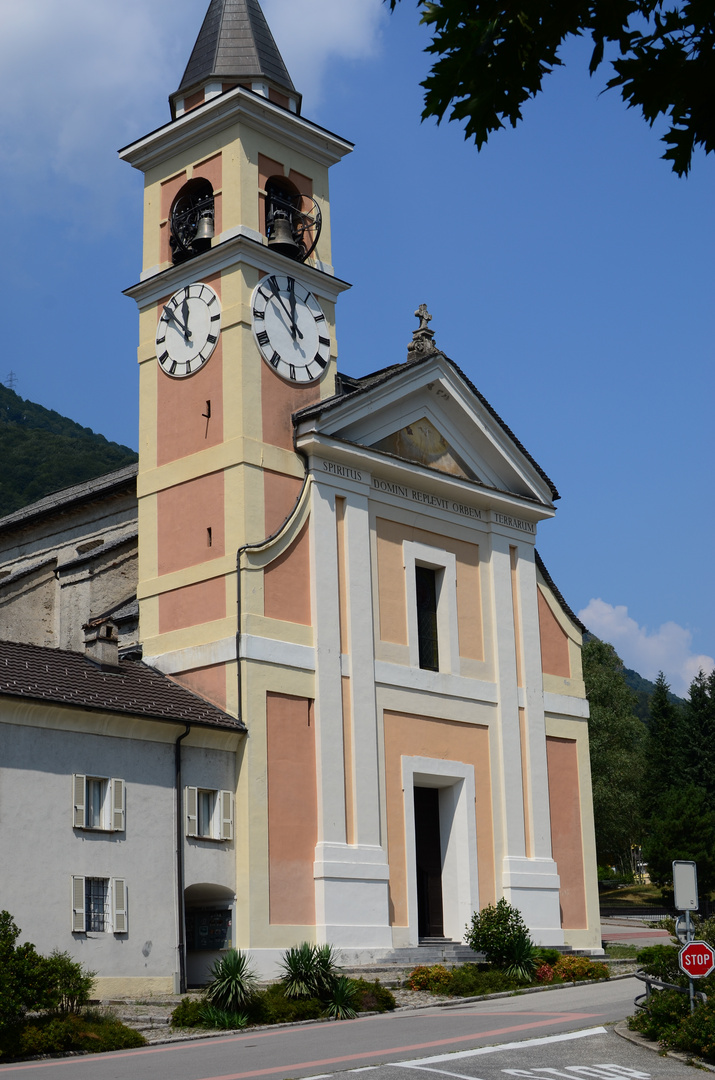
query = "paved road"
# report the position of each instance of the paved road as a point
(390, 1043)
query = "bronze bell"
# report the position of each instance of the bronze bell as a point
(281, 235)
(205, 227)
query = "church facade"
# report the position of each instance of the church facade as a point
(346, 566)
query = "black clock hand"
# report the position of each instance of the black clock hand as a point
(185, 314)
(171, 314)
(273, 285)
(291, 297)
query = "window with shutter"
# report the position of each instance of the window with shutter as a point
(118, 796)
(119, 905)
(78, 912)
(79, 785)
(226, 804)
(191, 798)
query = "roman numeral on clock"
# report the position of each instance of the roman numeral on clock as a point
(275, 359)
(324, 340)
(258, 314)
(263, 338)
(318, 359)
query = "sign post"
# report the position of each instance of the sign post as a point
(695, 956)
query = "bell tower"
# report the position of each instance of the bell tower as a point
(236, 332)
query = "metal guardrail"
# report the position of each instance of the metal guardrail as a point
(641, 1001)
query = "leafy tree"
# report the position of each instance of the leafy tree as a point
(699, 733)
(23, 976)
(493, 56)
(684, 828)
(617, 740)
(664, 750)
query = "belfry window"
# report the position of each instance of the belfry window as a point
(191, 220)
(426, 595)
(293, 221)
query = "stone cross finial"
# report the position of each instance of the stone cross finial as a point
(422, 342)
(424, 316)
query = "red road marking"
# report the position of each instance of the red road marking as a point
(554, 1019)
(638, 934)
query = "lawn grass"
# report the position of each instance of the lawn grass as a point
(632, 894)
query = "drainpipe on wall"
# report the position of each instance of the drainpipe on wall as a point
(258, 545)
(181, 943)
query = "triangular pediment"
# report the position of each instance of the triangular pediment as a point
(421, 442)
(428, 412)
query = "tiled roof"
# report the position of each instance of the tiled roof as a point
(99, 487)
(378, 378)
(135, 689)
(234, 44)
(550, 582)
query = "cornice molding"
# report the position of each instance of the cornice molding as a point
(235, 106)
(238, 249)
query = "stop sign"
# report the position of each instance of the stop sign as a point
(697, 959)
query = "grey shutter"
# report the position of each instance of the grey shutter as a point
(117, 804)
(225, 799)
(78, 915)
(191, 798)
(79, 796)
(119, 905)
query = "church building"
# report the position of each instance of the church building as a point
(342, 569)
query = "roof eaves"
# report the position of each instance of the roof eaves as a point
(557, 593)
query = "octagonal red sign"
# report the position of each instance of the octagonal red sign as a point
(697, 959)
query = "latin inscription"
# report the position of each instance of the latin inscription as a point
(515, 523)
(426, 499)
(341, 470)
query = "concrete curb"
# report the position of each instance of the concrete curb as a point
(637, 1039)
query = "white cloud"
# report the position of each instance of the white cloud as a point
(311, 33)
(81, 78)
(668, 649)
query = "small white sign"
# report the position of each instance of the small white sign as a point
(685, 884)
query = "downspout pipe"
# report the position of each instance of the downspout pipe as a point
(181, 936)
(239, 570)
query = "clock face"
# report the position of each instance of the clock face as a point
(290, 329)
(188, 330)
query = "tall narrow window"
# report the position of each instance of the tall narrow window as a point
(95, 904)
(206, 812)
(426, 590)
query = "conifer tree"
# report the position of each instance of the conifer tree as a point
(698, 736)
(617, 739)
(664, 752)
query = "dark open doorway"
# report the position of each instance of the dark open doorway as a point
(428, 850)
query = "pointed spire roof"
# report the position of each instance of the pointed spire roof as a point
(235, 46)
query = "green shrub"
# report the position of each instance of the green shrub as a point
(374, 997)
(472, 980)
(226, 1019)
(661, 961)
(57, 1034)
(234, 982)
(499, 932)
(68, 984)
(548, 956)
(662, 1015)
(695, 1033)
(342, 1000)
(437, 979)
(521, 958)
(188, 1013)
(272, 1006)
(578, 968)
(326, 969)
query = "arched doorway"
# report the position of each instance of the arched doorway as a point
(210, 919)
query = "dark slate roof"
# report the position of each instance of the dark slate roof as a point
(135, 689)
(235, 44)
(550, 582)
(354, 387)
(67, 498)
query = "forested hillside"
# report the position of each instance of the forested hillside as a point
(41, 452)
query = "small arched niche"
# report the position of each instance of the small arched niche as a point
(191, 220)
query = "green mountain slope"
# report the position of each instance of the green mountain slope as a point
(643, 689)
(42, 452)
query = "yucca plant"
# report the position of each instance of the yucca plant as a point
(222, 1018)
(326, 969)
(300, 971)
(234, 982)
(343, 999)
(521, 960)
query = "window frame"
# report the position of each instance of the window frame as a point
(415, 554)
(113, 808)
(115, 902)
(222, 815)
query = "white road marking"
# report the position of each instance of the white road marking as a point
(522, 1045)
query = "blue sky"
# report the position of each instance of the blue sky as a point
(568, 272)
